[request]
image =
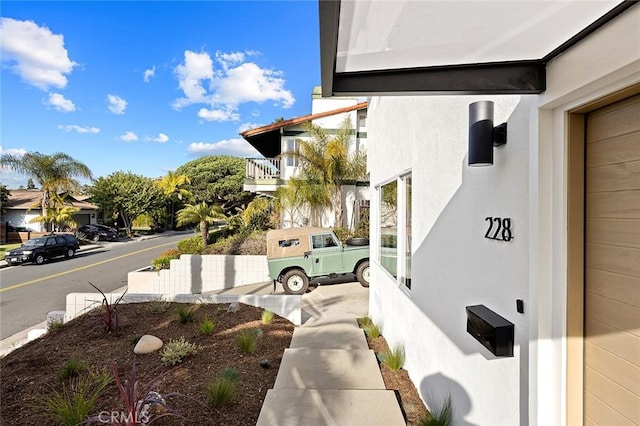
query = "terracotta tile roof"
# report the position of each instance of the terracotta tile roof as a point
(23, 199)
(301, 119)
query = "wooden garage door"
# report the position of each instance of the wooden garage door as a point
(612, 265)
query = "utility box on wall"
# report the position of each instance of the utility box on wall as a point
(493, 331)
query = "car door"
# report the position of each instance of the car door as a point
(326, 255)
(51, 248)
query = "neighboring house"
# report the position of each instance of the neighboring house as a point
(25, 204)
(548, 237)
(266, 174)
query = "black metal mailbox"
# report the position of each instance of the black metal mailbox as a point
(490, 329)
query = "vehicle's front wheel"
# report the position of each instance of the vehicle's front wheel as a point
(362, 273)
(39, 259)
(295, 282)
(70, 253)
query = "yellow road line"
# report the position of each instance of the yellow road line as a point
(80, 268)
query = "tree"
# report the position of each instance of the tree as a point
(60, 217)
(30, 184)
(202, 214)
(172, 186)
(329, 162)
(127, 194)
(4, 197)
(217, 179)
(55, 173)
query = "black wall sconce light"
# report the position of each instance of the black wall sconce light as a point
(482, 135)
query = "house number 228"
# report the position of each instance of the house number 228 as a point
(499, 229)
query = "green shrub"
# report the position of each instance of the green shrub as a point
(162, 262)
(76, 399)
(176, 351)
(72, 368)
(191, 245)
(207, 326)
(230, 373)
(221, 391)
(247, 341)
(185, 314)
(342, 233)
(365, 321)
(55, 325)
(157, 306)
(143, 221)
(242, 243)
(267, 316)
(438, 416)
(394, 359)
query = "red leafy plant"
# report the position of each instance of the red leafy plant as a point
(109, 312)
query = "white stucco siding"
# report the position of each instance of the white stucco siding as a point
(23, 218)
(453, 265)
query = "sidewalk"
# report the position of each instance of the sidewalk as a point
(328, 375)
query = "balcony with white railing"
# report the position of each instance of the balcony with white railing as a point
(263, 174)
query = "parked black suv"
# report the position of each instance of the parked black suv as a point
(95, 232)
(39, 249)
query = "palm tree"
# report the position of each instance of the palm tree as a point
(329, 162)
(59, 217)
(55, 173)
(171, 184)
(202, 214)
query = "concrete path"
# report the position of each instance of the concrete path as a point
(328, 375)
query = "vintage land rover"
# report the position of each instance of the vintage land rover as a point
(296, 255)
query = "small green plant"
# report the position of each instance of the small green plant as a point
(55, 325)
(223, 390)
(247, 341)
(72, 368)
(162, 262)
(394, 359)
(206, 326)
(230, 373)
(109, 312)
(185, 314)
(176, 351)
(438, 416)
(267, 316)
(372, 331)
(158, 306)
(365, 321)
(72, 404)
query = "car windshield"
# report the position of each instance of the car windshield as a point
(36, 242)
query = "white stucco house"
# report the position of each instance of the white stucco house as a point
(264, 175)
(544, 241)
(24, 205)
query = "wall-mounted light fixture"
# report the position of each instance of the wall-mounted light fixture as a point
(482, 135)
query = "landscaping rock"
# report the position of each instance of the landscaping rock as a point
(233, 307)
(147, 344)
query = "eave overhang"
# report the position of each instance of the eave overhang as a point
(521, 76)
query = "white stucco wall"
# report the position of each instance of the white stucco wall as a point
(454, 266)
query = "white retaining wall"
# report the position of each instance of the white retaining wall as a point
(287, 306)
(195, 274)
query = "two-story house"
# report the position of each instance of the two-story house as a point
(264, 175)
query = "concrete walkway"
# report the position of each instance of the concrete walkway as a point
(328, 375)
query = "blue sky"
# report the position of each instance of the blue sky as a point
(148, 86)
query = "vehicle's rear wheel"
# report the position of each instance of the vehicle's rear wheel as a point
(362, 273)
(39, 259)
(295, 282)
(70, 253)
(96, 238)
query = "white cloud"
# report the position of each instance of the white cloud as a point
(8, 176)
(79, 129)
(247, 126)
(129, 137)
(218, 114)
(151, 72)
(36, 54)
(234, 147)
(231, 83)
(161, 138)
(117, 105)
(60, 103)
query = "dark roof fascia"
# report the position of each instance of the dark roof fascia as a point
(512, 77)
